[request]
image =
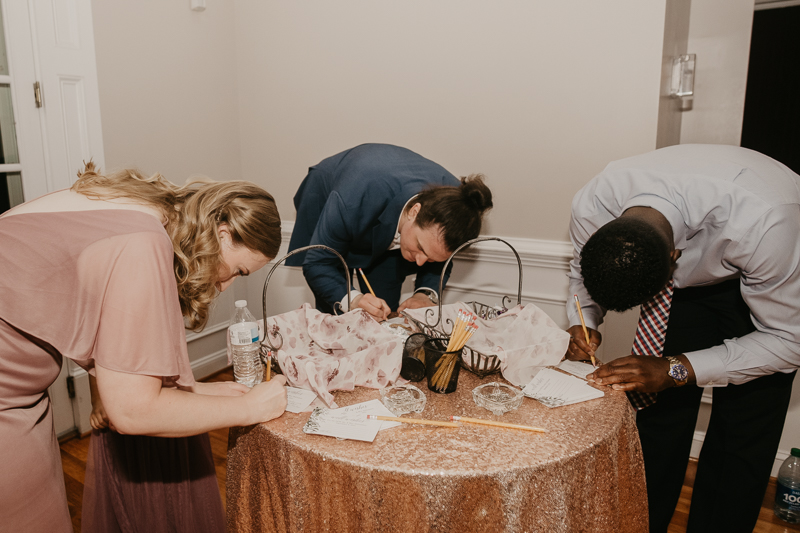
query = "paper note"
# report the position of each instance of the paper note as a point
(576, 368)
(554, 389)
(372, 407)
(298, 400)
(334, 423)
(350, 422)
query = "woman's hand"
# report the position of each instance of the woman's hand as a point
(578, 350)
(267, 400)
(98, 419)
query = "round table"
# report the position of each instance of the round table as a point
(585, 474)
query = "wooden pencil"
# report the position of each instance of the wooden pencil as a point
(413, 421)
(367, 282)
(583, 325)
(497, 424)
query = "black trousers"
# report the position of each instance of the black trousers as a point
(386, 276)
(743, 432)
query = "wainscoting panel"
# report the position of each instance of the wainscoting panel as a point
(484, 272)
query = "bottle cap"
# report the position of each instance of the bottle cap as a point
(241, 303)
(796, 452)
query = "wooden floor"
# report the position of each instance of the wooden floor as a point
(74, 452)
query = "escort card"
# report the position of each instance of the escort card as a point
(298, 400)
(555, 389)
(334, 423)
(576, 368)
(349, 422)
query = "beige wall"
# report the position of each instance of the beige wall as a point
(168, 87)
(719, 33)
(539, 96)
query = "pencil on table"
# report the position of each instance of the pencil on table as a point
(497, 424)
(367, 282)
(583, 325)
(413, 421)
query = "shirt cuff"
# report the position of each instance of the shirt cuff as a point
(353, 294)
(430, 293)
(709, 370)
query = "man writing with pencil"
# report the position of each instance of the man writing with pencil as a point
(704, 238)
(390, 213)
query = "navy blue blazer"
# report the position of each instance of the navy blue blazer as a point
(352, 202)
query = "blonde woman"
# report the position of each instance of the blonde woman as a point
(105, 274)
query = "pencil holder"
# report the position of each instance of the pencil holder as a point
(474, 361)
(413, 363)
(435, 351)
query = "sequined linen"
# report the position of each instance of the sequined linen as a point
(585, 474)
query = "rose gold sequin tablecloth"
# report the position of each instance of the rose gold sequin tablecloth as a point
(585, 474)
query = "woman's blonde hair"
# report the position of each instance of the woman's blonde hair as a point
(194, 213)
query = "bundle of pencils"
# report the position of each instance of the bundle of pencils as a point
(462, 331)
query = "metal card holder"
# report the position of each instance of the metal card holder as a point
(266, 344)
(479, 364)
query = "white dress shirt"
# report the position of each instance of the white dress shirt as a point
(734, 213)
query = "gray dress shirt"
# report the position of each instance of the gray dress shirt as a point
(734, 213)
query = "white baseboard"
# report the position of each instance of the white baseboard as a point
(210, 364)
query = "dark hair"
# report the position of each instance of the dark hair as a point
(625, 263)
(458, 210)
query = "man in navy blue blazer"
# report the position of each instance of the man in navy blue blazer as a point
(386, 210)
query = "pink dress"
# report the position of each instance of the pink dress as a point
(93, 286)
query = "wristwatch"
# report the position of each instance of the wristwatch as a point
(677, 371)
(430, 293)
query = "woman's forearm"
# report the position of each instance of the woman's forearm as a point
(138, 405)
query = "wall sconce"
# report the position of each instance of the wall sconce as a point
(682, 82)
(198, 5)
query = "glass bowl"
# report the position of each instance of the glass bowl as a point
(402, 399)
(498, 398)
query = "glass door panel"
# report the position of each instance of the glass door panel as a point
(10, 169)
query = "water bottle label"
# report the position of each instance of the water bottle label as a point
(243, 333)
(788, 497)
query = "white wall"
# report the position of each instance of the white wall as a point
(539, 96)
(168, 87)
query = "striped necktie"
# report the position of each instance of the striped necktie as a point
(650, 336)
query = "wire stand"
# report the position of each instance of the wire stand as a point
(267, 348)
(479, 364)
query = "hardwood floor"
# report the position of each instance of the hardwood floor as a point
(74, 452)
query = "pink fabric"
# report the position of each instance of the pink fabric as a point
(324, 353)
(523, 338)
(96, 287)
(149, 484)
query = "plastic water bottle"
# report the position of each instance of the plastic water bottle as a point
(787, 493)
(243, 333)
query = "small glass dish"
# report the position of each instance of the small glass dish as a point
(402, 399)
(498, 398)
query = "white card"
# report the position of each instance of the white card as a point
(554, 389)
(372, 407)
(334, 423)
(298, 400)
(576, 368)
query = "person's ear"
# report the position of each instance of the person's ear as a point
(413, 211)
(224, 234)
(673, 261)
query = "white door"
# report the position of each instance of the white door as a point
(50, 45)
